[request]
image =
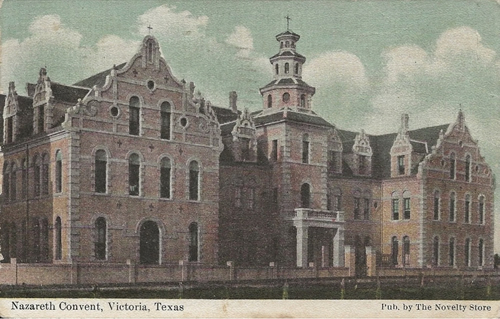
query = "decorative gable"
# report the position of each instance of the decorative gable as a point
(362, 155)
(244, 142)
(401, 150)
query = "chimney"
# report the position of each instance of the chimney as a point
(404, 122)
(233, 97)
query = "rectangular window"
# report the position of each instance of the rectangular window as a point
(274, 150)
(452, 209)
(134, 120)
(401, 165)
(481, 212)
(436, 208)
(165, 182)
(305, 152)
(407, 211)
(237, 197)
(366, 214)
(193, 185)
(100, 176)
(467, 211)
(395, 209)
(356, 208)
(133, 176)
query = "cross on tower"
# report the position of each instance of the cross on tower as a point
(288, 22)
(149, 29)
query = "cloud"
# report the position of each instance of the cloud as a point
(241, 38)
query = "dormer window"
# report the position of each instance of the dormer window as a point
(303, 101)
(401, 165)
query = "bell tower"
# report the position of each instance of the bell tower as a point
(287, 90)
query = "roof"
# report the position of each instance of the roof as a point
(290, 116)
(288, 53)
(286, 82)
(382, 144)
(98, 79)
(224, 114)
(67, 93)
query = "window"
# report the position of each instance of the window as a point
(437, 204)
(296, 68)
(467, 209)
(333, 159)
(481, 252)
(286, 97)
(269, 101)
(394, 250)
(305, 149)
(13, 178)
(165, 121)
(467, 252)
(453, 164)
(6, 181)
(407, 209)
(435, 251)
(481, 210)
(357, 205)
(101, 163)
(303, 101)
(274, 150)
(58, 239)
(452, 252)
(58, 172)
(165, 177)
(134, 164)
(193, 242)
(133, 124)
(194, 180)
(363, 164)
(237, 197)
(277, 68)
(467, 168)
(150, 51)
(24, 178)
(45, 174)
(251, 198)
(406, 250)
(100, 244)
(287, 68)
(395, 209)
(245, 148)
(452, 206)
(401, 165)
(36, 179)
(41, 118)
(149, 243)
(44, 240)
(366, 212)
(305, 196)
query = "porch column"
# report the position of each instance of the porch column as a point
(302, 238)
(338, 248)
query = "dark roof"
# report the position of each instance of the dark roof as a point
(227, 128)
(288, 53)
(292, 116)
(98, 79)
(24, 102)
(67, 93)
(381, 147)
(288, 32)
(224, 114)
(286, 82)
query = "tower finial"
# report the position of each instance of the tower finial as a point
(149, 29)
(288, 22)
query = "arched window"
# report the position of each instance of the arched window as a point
(58, 239)
(437, 204)
(100, 243)
(24, 178)
(357, 205)
(134, 164)
(165, 177)
(269, 101)
(36, 177)
(165, 120)
(303, 100)
(101, 167)
(277, 68)
(406, 250)
(467, 168)
(6, 181)
(133, 123)
(58, 171)
(452, 252)
(467, 252)
(467, 209)
(366, 208)
(150, 51)
(481, 210)
(452, 206)
(193, 242)
(13, 178)
(194, 180)
(149, 246)
(287, 68)
(406, 205)
(394, 250)
(44, 240)
(305, 148)
(435, 251)
(296, 68)
(453, 163)
(305, 196)
(481, 253)
(45, 174)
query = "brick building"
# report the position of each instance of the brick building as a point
(133, 164)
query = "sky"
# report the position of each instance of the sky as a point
(370, 61)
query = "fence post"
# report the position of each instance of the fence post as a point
(132, 278)
(273, 265)
(230, 264)
(13, 262)
(183, 266)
